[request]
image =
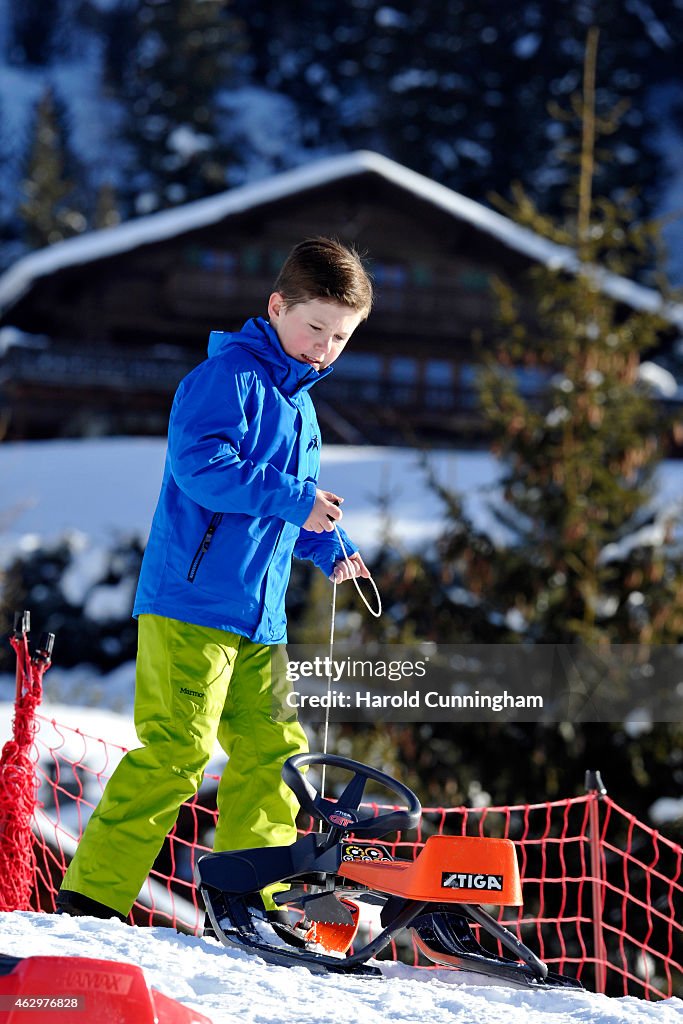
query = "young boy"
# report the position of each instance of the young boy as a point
(239, 497)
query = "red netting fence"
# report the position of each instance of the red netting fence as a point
(17, 777)
(603, 893)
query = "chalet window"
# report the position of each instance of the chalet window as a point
(531, 382)
(422, 275)
(358, 366)
(251, 260)
(358, 377)
(390, 275)
(469, 390)
(403, 379)
(214, 260)
(438, 383)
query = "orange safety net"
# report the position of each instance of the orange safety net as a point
(603, 892)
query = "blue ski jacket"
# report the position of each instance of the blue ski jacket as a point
(240, 479)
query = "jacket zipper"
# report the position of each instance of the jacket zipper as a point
(205, 545)
(262, 607)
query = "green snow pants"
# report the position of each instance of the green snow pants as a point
(193, 685)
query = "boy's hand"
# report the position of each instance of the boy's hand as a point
(324, 513)
(346, 570)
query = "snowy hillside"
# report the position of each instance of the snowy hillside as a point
(230, 986)
(108, 487)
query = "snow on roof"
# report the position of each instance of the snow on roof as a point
(96, 245)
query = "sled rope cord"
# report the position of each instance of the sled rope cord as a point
(373, 611)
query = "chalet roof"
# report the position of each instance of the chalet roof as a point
(141, 231)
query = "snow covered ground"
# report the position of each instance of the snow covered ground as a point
(230, 986)
(108, 487)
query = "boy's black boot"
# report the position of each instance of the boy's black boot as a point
(75, 904)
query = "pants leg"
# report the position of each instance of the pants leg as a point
(183, 675)
(258, 732)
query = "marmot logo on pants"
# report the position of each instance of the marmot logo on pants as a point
(192, 693)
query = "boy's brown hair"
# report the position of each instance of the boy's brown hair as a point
(325, 268)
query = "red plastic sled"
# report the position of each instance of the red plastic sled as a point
(78, 990)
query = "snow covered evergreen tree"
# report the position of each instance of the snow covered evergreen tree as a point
(50, 208)
(184, 53)
(106, 214)
(324, 69)
(590, 557)
(579, 457)
(460, 92)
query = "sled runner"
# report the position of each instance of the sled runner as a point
(440, 895)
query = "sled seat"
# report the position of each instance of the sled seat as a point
(449, 869)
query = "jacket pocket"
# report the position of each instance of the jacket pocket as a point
(205, 545)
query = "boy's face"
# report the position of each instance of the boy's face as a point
(313, 332)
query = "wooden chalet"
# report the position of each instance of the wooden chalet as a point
(98, 330)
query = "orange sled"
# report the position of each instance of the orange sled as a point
(439, 895)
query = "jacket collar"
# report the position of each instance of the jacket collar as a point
(260, 338)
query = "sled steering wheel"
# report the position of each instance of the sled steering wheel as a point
(343, 813)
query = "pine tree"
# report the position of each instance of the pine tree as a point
(579, 458)
(106, 214)
(184, 54)
(324, 70)
(588, 560)
(49, 211)
(468, 105)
